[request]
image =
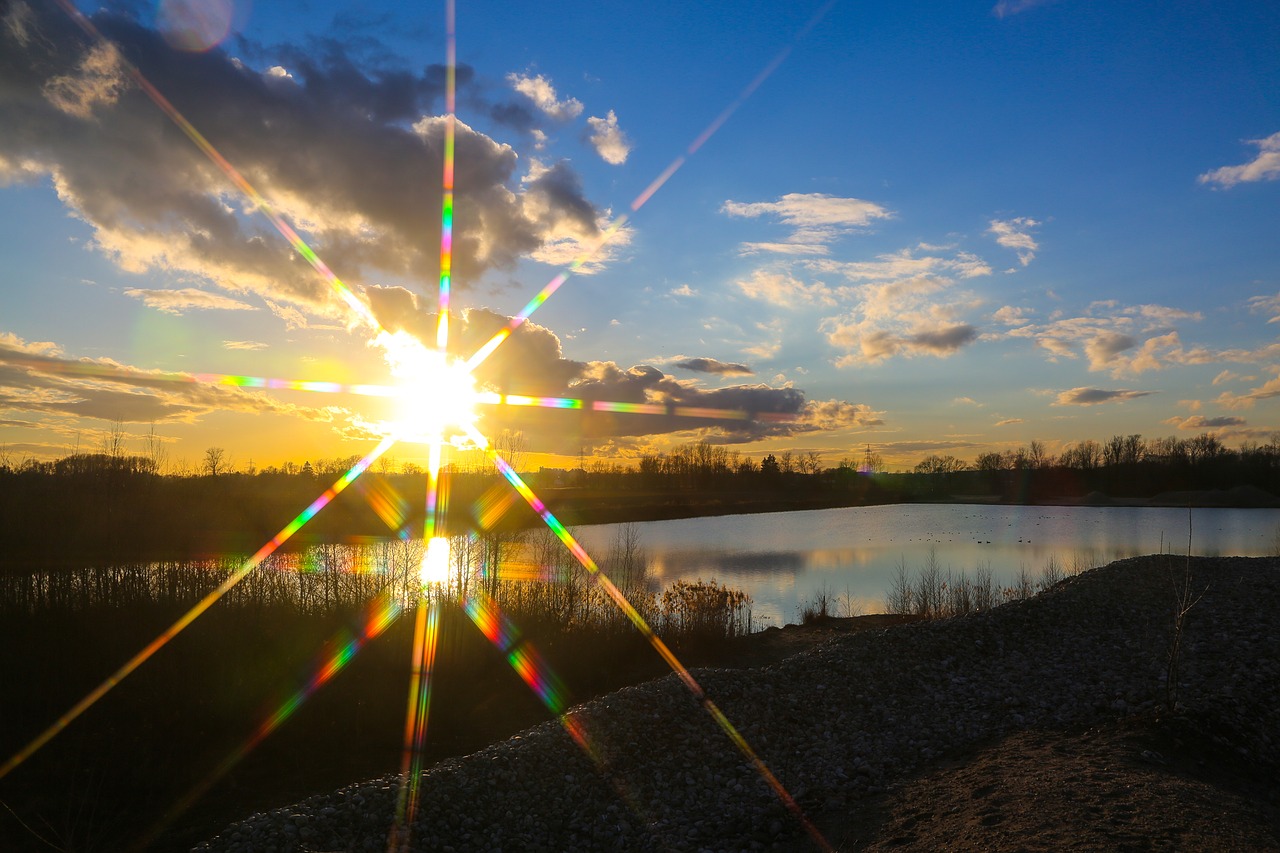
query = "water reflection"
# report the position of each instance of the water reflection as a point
(786, 559)
(783, 560)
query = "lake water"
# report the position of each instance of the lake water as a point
(786, 559)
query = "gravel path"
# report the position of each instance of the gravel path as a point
(837, 724)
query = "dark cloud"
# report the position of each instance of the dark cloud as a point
(350, 156)
(1094, 396)
(714, 366)
(940, 341)
(532, 363)
(1201, 422)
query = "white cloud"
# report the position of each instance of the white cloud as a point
(817, 219)
(811, 210)
(784, 289)
(1266, 305)
(539, 90)
(905, 264)
(608, 139)
(683, 290)
(1264, 167)
(1015, 234)
(914, 316)
(1010, 422)
(243, 345)
(1111, 337)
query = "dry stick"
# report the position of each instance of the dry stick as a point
(1182, 605)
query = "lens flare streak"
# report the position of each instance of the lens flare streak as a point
(425, 636)
(352, 302)
(701, 139)
(384, 611)
(616, 595)
(195, 612)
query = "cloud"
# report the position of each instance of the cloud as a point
(905, 264)
(1111, 337)
(944, 340)
(608, 139)
(1010, 422)
(1016, 234)
(1264, 167)
(350, 157)
(897, 448)
(909, 317)
(785, 290)
(683, 290)
(1266, 305)
(539, 90)
(1006, 8)
(1266, 391)
(531, 363)
(1095, 396)
(711, 365)
(966, 401)
(243, 345)
(179, 301)
(1199, 422)
(37, 378)
(816, 219)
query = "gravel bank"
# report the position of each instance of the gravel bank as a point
(835, 724)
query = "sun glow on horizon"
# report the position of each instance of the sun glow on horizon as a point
(435, 561)
(436, 397)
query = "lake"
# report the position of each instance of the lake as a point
(786, 559)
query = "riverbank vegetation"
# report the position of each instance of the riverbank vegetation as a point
(314, 647)
(112, 505)
(934, 593)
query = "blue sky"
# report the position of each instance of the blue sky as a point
(933, 228)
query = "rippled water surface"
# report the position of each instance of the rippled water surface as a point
(786, 559)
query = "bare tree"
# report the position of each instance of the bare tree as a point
(512, 446)
(216, 461)
(154, 451)
(113, 440)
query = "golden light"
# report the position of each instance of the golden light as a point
(436, 398)
(435, 562)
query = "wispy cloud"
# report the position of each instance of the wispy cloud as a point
(608, 139)
(188, 298)
(1199, 422)
(1095, 396)
(816, 219)
(243, 345)
(1006, 8)
(1264, 167)
(714, 366)
(1010, 422)
(1015, 234)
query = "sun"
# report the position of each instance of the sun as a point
(435, 396)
